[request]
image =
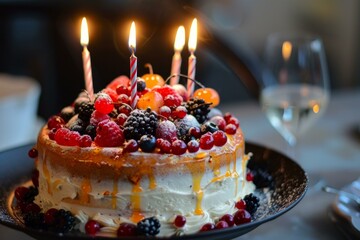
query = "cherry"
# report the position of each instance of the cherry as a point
(221, 225)
(127, 229)
(207, 227)
(241, 204)
(125, 109)
(55, 122)
(131, 146)
(230, 129)
(123, 98)
(121, 119)
(163, 145)
(242, 216)
(179, 221)
(165, 111)
(180, 112)
(220, 138)
(52, 133)
(121, 89)
(33, 153)
(50, 216)
(92, 227)
(195, 132)
(172, 100)
(227, 116)
(193, 146)
(103, 103)
(209, 95)
(206, 141)
(178, 147)
(228, 218)
(234, 120)
(20, 193)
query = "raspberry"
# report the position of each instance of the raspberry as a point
(97, 117)
(85, 141)
(131, 146)
(165, 90)
(55, 122)
(65, 137)
(74, 138)
(104, 103)
(92, 227)
(109, 134)
(172, 101)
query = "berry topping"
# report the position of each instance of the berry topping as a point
(195, 132)
(241, 204)
(221, 225)
(163, 145)
(65, 221)
(139, 123)
(173, 101)
(207, 227)
(125, 109)
(33, 153)
(50, 216)
(126, 229)
(109, 134)
(85, 141)
(121, 119)
(123, 89)
(92, 227)
(147, 143)
(181, 90)
(66, 137)
(123, 98)
(52, 133)
(219, 122)
(140, 84)
(220, 138)
(178, 147)
(228, 218)
(149, 226)
(198, 108)
(242, 216)
(55, 122)
(166, 130)
(131, 146)
(252, 203)
(209, 127)
(91, 131)
(97, 117)
(233, 120)
(165, 90)
(180, 112)
(262, 178)
(227, 116)
(230, 129)
(183, 125)
(179, 221)
(165, 111)
(193, 146)
(85, 111)
(206, 141)
(103, 103)
(112, 93)
(249, 176)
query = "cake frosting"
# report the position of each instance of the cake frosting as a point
(113, 185)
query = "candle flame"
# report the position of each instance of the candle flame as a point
(179, 39)
(286, 50)
(84, 39)
(193, 36)
(132, 37)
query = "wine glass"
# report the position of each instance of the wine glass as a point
(295, 84)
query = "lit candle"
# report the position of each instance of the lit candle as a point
(176, 60)
(133, 64)
(84, 41)
(192, 58)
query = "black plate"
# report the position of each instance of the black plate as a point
(289, 187)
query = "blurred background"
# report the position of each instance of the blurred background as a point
(40, 40)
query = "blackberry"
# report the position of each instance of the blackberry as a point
(252, 203)
(30, 194)
(67, 113)
(149, 226)
(85, 111)
(34, 220)
(262, 178)
(64, 221)
(91, 131)
(198, 108)
(78, 125)
(139, 123)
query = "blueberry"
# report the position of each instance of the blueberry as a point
(141, 85)
(209, 127)
(147, 143)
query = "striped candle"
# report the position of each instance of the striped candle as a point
(176, 60)
(84, 41)
(133, 65)
(192, 58)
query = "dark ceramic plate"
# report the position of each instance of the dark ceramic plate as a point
(289, 184)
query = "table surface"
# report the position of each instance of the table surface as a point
(329, 153)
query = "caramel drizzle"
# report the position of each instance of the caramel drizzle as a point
(114, 192)
(136, 203)
(198, 192)
(84, 191)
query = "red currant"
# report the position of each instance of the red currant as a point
(50, 216)
(131, 146)
(92, 227)
(241, 204)
(195, 132)
(121, 119)
(193, 146)
(221, 225)
(33, 153)
(235, 121)
(180, 112)
(127, 229)
(165, 111)
(85, 141)
(103, 103)
(227, 116)
(121, 89)
(55, 122)
(206, 141)
(219, 122)
(125, 109)
(178, 147)
(164, 146)
(172, 100)
(220, 138)
(180, 221)
(242, 216)
(52, 134)
(228, 218)
(123, 98)
(207, 227)
(230, 129)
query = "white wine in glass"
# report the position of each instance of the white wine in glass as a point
(295, 89)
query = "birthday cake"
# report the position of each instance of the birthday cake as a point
(169, 166)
